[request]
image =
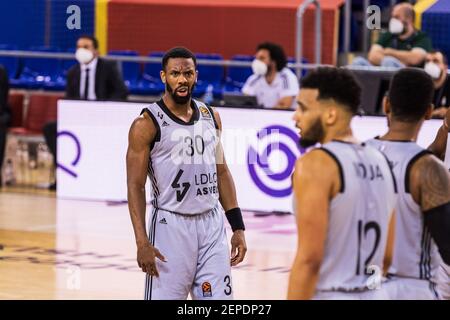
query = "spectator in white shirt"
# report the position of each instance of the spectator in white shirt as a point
(274, 85)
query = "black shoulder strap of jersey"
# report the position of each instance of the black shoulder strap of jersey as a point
(155, 122)
(341, 171)
(409, 166)
(389, 163)
(212, 115)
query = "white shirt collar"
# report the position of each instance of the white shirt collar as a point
(91, 65)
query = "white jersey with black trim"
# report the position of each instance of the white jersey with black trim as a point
(182, 165)
(415, 253)
(358, 218)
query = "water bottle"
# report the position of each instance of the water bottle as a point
(208, 98)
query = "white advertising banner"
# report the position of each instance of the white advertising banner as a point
(260, 148)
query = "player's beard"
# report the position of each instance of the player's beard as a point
(179, 99)
(315, 134)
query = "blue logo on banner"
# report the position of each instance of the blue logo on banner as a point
(77, 157)
(261, 160)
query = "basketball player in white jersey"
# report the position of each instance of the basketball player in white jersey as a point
(344, 196)
(422, 228)
(176, 142)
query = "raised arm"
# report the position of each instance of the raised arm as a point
(439, 145)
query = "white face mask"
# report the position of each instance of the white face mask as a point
(433, 70)
(396, 26)
(259, 67)
(84, 55)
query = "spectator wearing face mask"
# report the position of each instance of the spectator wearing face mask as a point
(436, 66)
(274, 85)
(92, 79)
(402, 45)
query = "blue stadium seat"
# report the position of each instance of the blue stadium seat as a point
(131, 71)
(38, 71)
(238, 75)
(59, 84)
(11, 64)
(151, 84)
(152, 69)
(436, 23)
(66, 64)
(304, 60)
(209, 75)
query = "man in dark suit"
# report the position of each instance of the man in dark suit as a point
(92, 79)
(5, 114)
(100, 77)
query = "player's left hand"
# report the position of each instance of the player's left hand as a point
(238, 247)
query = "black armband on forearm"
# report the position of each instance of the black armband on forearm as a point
(234, 217)
(437, 220)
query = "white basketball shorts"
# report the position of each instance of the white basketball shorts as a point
(443, 285)
(397, 288)
(198, 259)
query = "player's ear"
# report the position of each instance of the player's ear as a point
(331, 115)
(162, 74)
(429, 112)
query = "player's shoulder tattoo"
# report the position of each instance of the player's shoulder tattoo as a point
(434, 182)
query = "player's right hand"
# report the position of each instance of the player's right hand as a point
(146, 259)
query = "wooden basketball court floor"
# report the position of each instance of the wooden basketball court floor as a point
(67, 249)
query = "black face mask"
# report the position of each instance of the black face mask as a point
(313, 136)
(178, 99)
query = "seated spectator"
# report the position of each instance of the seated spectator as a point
(436, 66)
(274, 85)
(92, 79)
(5, 114)
(402, 45)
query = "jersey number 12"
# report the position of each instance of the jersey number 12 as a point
(363, 230)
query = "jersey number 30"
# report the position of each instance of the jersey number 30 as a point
(194, 145)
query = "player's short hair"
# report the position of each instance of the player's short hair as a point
(338, 84)
(410, 94)
(92, 38)
(178, 52)
(276, 53)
